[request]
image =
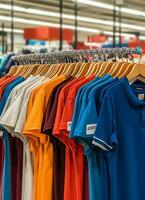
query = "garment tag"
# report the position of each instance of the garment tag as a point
(69, 126)
(141, 96)
(90, 129)
(1, 133)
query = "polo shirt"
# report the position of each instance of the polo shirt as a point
(84, 96)
(8, 90)
(77, 150)
(120, 128)
(5, 83)
(1, 165)
(82, 131)
(79, 102)
(69, 183)
(58, 146)
(43, 159)
(51, 109)
(16, 151)
(6, 192)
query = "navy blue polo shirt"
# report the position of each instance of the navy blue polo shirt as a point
(121, 134)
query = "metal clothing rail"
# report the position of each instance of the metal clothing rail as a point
(75, 55)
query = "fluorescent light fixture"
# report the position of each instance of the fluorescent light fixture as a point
(41, 23)
(111, 7)
(15, 30)
(71, 17)
(142, 37)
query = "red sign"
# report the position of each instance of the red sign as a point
(97, 38)
(47, 33)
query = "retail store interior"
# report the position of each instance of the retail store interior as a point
(72, 99)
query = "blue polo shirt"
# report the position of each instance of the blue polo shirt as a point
(7, 91)
(94, 159)
(120, 134)
(81, 101)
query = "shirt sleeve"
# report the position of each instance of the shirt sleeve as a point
(105, 134)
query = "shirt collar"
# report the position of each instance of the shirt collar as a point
(129, 92)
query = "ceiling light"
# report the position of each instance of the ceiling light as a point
(9, 30)
(111, 7)
(71, 17)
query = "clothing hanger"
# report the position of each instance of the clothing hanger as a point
(124, 71)
(77, 68)
(98, 68)
(50, 71)
(45, 70)
(102, 68)
(59, 68)
(71, 68)
(107, 68)
(83, 69)
(13, 70)
(19, 71)
(137, 71)
(116, 67)
(33, 69)
(91, 69)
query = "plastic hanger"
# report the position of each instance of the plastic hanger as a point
(137, 70)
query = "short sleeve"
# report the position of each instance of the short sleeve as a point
(105, 134)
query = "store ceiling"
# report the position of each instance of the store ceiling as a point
(95, 13)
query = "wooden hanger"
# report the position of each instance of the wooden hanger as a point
(33, 69)
(40, 69)
(19, 71)
(115, 68)
(85, 69)
(106, 69)
(76, 68)
(124, 71)
(12, 70)
(98, 68)
(70, 69)
(102, 69)
(82, 69)
(91, 69)
(60, 69)
(137, 70)
(45, 70)
(50, 71)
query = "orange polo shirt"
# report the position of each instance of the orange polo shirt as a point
(44, 151)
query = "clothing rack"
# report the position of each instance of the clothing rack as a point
(76, 55)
